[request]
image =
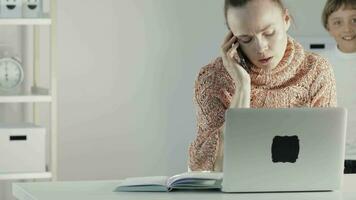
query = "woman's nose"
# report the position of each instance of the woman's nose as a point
(261, 46)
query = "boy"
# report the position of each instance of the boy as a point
(339, 19)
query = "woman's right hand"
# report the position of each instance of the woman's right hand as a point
(231, 62)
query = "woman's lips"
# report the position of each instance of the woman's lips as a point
(265, 60)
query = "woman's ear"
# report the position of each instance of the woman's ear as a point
(287, 19)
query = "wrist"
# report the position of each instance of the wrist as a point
(242, 96)
(243, 82)
(243, 87)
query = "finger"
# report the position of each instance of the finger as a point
(236, 45)
(227, 46)
(235, 56)
(233, 49)
(230, 52)
(231, 42)
(228, 37)
(235, 53)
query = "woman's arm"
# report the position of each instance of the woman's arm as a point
(212, 97)
(221, 85)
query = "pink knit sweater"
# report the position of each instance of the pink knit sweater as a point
(301, 79)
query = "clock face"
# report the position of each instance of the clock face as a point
(11, 74)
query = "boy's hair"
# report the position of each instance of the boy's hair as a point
(334, 5)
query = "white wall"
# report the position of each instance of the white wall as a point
(126, 76)
(307, 17)
(126, 73)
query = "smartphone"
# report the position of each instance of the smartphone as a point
(243, 58)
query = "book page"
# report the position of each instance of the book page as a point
(198, 179)
(149, 183)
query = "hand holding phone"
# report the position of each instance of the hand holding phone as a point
(234, 61)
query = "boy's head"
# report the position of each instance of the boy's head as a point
(339, 19)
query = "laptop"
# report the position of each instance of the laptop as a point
(284, 150)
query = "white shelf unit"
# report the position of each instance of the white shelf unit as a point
(25, 176)
(46, 20)
(37, 94)
(33, 96)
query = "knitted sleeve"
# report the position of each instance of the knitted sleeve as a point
(323, 88)
(211, 100)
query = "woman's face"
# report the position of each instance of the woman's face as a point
(342, 26)
(261, 28)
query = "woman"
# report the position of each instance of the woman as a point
(339, 19)
(279, 74)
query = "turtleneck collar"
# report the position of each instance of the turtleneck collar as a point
(284, 71)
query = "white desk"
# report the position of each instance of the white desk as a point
(103, 190)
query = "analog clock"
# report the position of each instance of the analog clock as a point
(11, 74)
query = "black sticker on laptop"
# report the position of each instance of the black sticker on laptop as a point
(285, 149)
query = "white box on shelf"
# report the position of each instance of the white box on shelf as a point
(32, 8)
(10, 8)
(22, 148)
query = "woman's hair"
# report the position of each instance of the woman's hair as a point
(334, 5)
(241, 3)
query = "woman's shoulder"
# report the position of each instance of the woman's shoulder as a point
(213, 73)
(213, 68)
(318, 70)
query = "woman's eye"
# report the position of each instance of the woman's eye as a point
(270, 33)
(354, 20)
(245, 39)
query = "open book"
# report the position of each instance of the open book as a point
(188, 180)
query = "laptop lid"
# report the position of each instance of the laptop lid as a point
(294, 149)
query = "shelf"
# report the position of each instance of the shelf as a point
(32, 29)
(35, 95)
(46, 20)
(23, 176)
